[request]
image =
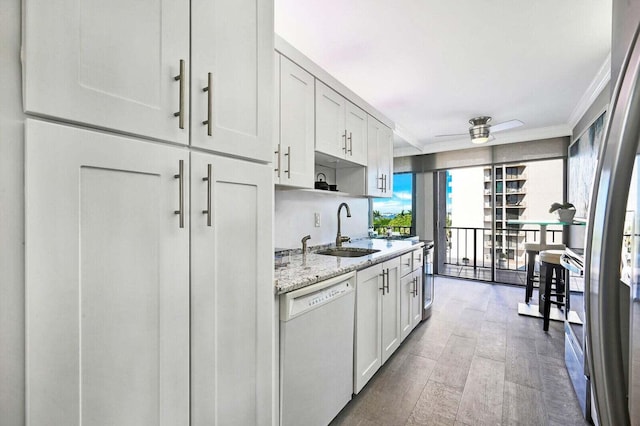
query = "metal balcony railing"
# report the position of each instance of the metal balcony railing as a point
(402, 230)
(479, 253)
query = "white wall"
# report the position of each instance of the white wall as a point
(11, 219)
(294, 217)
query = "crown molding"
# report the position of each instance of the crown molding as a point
(596, 87)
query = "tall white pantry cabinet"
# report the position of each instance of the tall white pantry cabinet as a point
(148, 212)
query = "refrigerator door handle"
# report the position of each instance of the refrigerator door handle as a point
(604, 241)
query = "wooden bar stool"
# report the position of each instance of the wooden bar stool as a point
(532, 250)
(551, 275)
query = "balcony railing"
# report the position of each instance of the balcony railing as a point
(402, 230)
(478, 253)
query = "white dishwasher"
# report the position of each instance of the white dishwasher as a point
(316, 351)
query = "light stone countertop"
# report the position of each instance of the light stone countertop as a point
(321, 267)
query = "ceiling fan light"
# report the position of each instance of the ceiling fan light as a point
(479, 140)
(479, 134)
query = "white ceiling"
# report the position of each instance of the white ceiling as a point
(431, 65)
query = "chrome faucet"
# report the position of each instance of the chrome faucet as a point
(304, 249)
(339, 238)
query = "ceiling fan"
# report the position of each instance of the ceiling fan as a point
(480, 129)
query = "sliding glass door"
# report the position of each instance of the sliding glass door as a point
(479, 209)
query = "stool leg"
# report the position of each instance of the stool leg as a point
(560, 283)
(531, 264)
(546, 298)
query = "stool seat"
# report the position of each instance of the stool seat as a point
(535, 246)
(532, 249)
(551, 256)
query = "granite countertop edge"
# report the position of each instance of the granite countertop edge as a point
(322, 267)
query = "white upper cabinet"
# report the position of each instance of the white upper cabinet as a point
(356, 134)
(232, 71)
(294, 144)
(341, 127)
(380, 159)
(330, 121)
(109, 64)
(125, 66)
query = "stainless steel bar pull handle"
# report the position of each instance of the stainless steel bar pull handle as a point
(209, 121)
(180, 78)
(350, 138)
(382, 282)
(344, 136)
(278, 154)
(208, 210)
(381, 184)
(384, 185)
(288, 155)
(387, 281)
(180, 177)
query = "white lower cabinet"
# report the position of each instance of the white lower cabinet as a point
(107, 279)
(377, 319)
(410, 297)
(410, 291)
(115, 331)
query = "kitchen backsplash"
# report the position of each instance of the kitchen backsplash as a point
(295, 217)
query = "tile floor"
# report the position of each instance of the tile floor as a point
(474, 362)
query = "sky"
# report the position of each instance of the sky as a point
(401, 200)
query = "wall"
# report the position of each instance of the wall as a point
(294, 217)
(11, 219)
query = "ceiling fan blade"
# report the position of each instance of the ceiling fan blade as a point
(506, 125)
(453, 134)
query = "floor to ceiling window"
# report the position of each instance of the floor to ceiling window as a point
(484, 205)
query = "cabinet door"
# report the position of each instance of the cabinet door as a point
(368, 357)
(417, 259)
(407, 290)
(297, 120)
(416, 300)
(375, 134)
(330, 121)
(385, 161)
(107, 279)
(391, 309)
(108, 64)
(406, 264)
(231, 292)
(232, 40)
(356, 121)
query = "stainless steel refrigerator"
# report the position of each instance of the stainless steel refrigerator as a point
(612, 252)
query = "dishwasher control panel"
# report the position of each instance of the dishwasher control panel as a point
(300, 301)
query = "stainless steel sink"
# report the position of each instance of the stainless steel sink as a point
(347, 252)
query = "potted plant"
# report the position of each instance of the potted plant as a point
(564, 211)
